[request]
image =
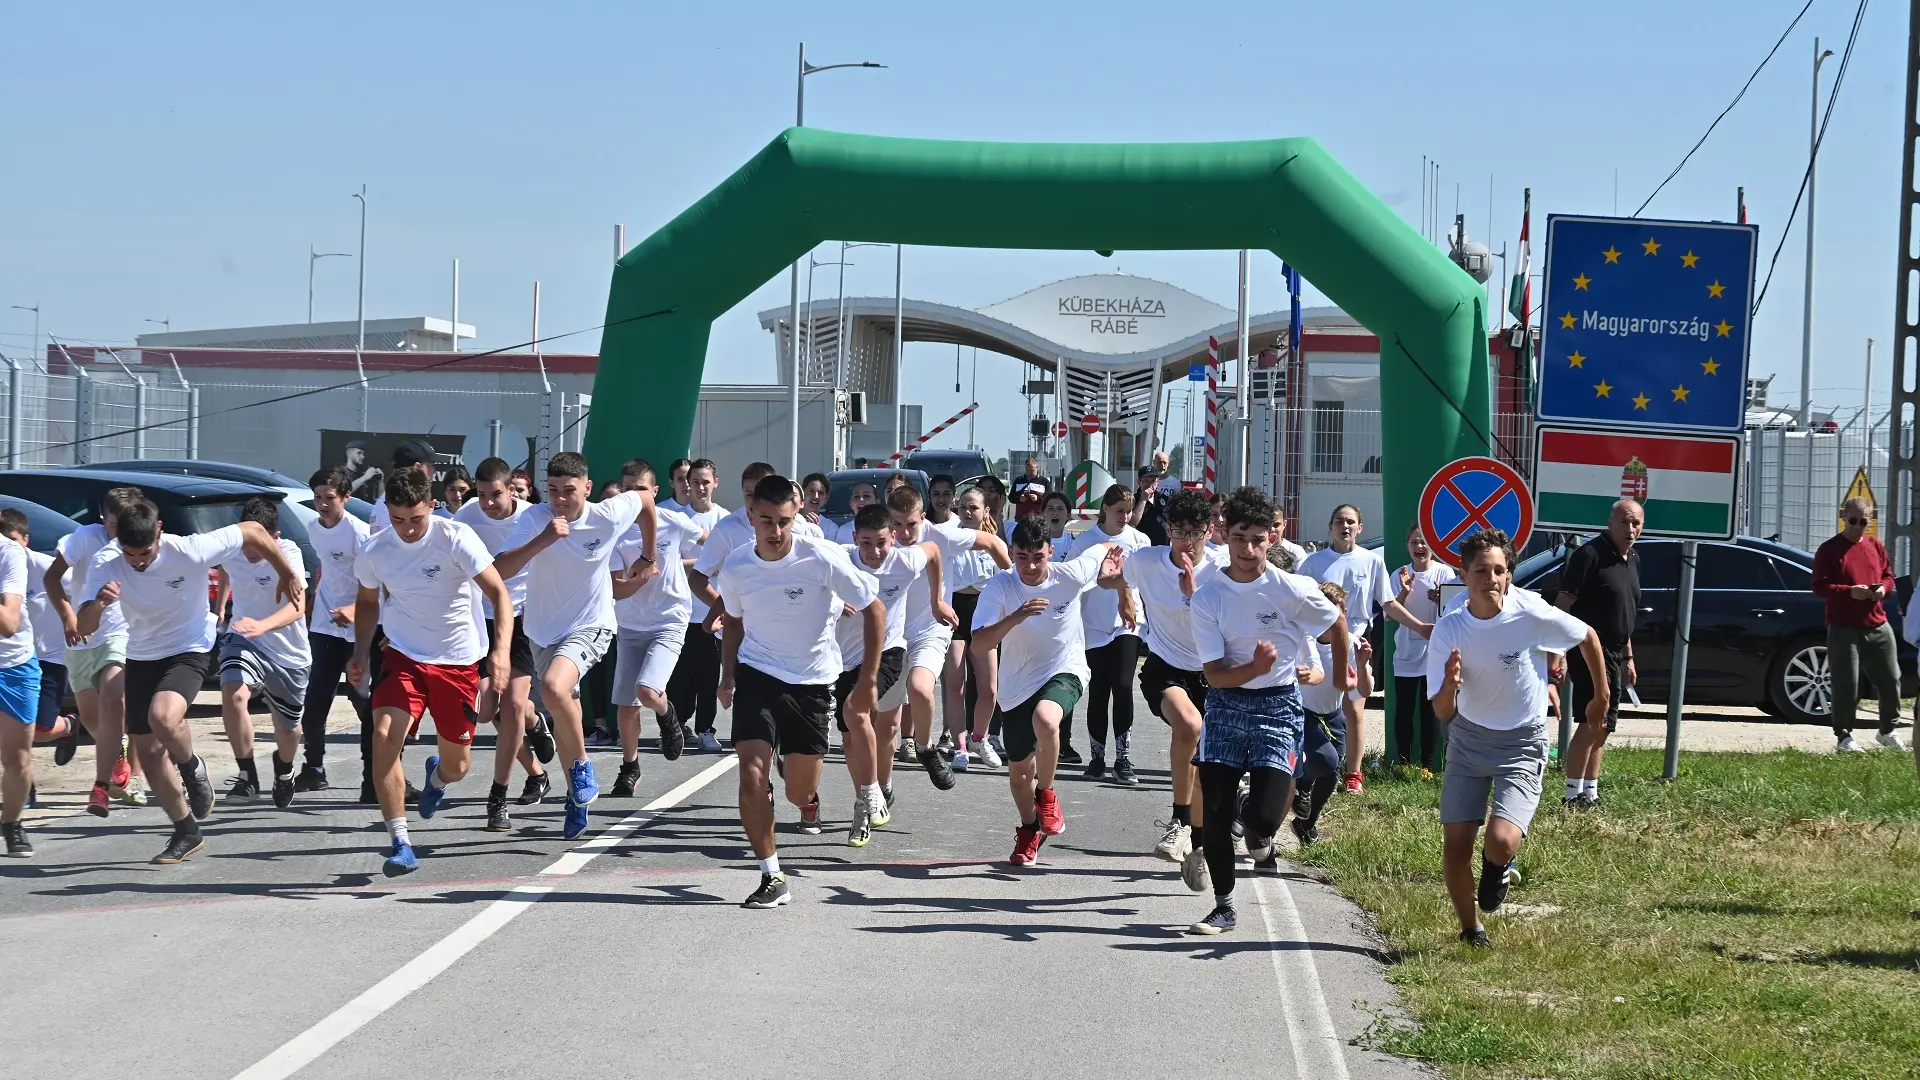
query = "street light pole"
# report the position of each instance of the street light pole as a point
(360, 345)
(1806, 308)
(314, 257)
(166, 323)
(899, 350)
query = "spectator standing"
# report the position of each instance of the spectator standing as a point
(1852, 573)
(1601, 587)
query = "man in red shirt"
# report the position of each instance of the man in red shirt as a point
(1852, 573)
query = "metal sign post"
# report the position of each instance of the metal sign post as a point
(1682, 639)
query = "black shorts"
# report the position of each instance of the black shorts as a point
(891, 662)
(1157, 677)
(53, 692)
(793, 719)
(183, 673)
(519, 651)
(1582, 686)
(964, 604)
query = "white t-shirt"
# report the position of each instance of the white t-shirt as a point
(902, 569)
(337, 549)
(49, 635)
(1230, 617)
(791, 607)
(1323, 697)
(708, 521)
(735, 531)
(954, 542)
(494, 533)
(1100, 612)
(428, 607)
(1167, 608)
(1409, 648)
(1503, 660)
(79, 548)
(253, 585)
(664, 601)
(15, 568)
(166, 604)
(568, 584)
(672, 504)
(1361, 572)
(1043, 646)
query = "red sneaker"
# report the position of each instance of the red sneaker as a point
(97, 803)
(1354, 786)
(1026, 845)
(1046, 807)
(122, 772)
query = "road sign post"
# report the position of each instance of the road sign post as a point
(1090, 424)
(1059, 429)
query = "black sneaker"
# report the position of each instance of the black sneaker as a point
(69, 744)
(17, 845)
(1494, 883)
(367, 795)
(185, 841)
(1590, 801)
(283, 790)
(243, 789)
(540, 741)
(1239, 826)
(311, 778)
(628, 779)
(945, 745)
(1572, 802)
(1123, 771)
(1302, 801)
(1069, 756)
(497, 819)
(1096, 768)
(1476, 938)
(772, 892)
(1305, 833)
(673, 735)
(938, 769)
(535, 790)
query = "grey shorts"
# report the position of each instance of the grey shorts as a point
(1504, 764)
(583, 647)
(645, 658)
(285, 689)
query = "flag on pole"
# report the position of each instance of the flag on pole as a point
(1521, 292)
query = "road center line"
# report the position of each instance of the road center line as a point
(304, 1048)
(1317, 1049)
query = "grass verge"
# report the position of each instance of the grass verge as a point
(1757, 918)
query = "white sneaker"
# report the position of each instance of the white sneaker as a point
(998, 744)
(1846, 745)
(960, 761)
(1193, 869)
(1174, 843)
(909, 753)
(1890, 741)
(984, 750)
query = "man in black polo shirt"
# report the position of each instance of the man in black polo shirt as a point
(1601, 587)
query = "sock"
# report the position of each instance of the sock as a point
(1224, 900)
(433, 779)
(1575, 787)
(630, 762)
(397, 830)
(186, 826)
(1493, 869)
(1183, 813)
(1098, 750)
(1593, 786)
(1121, 744)
(249, 769)
(497, 793)
(872, 795)
(281, 768)
(770, 864)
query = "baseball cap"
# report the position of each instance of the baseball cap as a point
(412, 452)
(1151, 470)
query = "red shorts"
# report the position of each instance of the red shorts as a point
(445, 690)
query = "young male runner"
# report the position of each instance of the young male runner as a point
(697, 673)
(336, 540)
(782, 596)
(416, 581)
(1323, 743)
(1034, 608)
(158, 581)
(1113, 644)
(263, 650)
(1487, 670)
(652, 616)
(19, 692)
(1250, 624)
(519, 734)
(96, 663)
(565, 545)
(733, 532)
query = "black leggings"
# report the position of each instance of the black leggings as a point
(695, 682)
(1268, 792)
(1409, 697)
(1113, 666)
(330, 656)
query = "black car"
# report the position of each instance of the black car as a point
(1759, 633)
(298, 493)
(840, 494)
(962, 465)
(45, 528)
(188, 504)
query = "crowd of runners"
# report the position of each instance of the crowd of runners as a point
(1253, 654)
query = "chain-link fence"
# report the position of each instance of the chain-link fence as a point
(1796, 480)
(53, 420)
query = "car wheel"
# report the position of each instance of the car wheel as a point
(1801, 688)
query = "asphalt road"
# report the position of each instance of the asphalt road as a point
(281, 950)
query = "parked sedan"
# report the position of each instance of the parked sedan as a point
(45, 528)
(297, 492)
(188, 504)
(1759, 633)
(839, 506)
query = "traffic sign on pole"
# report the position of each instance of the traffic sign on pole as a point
(1059, 429)
(1090, 424)
(1469, 495)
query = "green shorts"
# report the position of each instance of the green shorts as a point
(85, 666)
(1016, 724)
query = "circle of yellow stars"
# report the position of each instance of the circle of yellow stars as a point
(1650, 248)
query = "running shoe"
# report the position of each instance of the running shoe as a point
(1571, 802)
(1239, 826)
(1305, 833)
(1026, 845)
(1221, 920)
(575, 821)
(882, 813)
(69, 744)
(498, 821)
(16, 835)
(998, 745)
(1494, 885)
(1193, 869)
(540, 741)
(1886, 738)
(431, 797)
(199, 788)
(810, 817)
(1046, 807)
(1069, 756)
(135, 793)
(938, 770)
(1174, 843)
(1096, 766)
(945, 745)
(243, 789)
(1123, 771)
(772, 893)
(1354, 785)
(985, 751)
(909, 753)
(1590, 801)
(311, 778)
(1846, 745)
(709, 743)
(283, 790)
(1302, 801)
(860, 829)
(185, 841)
(97, 803)
(626, 782)
(673, 735)
(601, 738)
(1476, 938)
(400, 860)
(1260, 850)
(583, 786)
(961, 762)
(122, 772)
(534, 790)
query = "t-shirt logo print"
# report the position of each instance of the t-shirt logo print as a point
(432, 572)
(795, 593)
(1511, 659)
(1267, 619)
(176, 582)
(593, 545)
(263, 580)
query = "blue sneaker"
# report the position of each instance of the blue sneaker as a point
(431, 797)
(580, 778)
(576, 820)
(401, 861)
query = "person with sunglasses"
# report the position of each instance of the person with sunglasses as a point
(1852, 573)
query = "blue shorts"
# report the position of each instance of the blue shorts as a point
(20, 691)
(1324, 746)
(1253, 729)
(53, 693)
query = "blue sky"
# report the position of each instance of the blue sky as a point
(177, 160)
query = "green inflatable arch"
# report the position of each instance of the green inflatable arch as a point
(1285, 195)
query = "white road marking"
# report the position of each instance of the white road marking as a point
(1317, 1049)
(304, 1048)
